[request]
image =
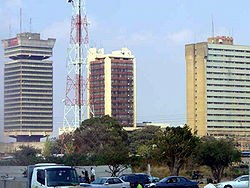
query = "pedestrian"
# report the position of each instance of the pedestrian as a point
(92, 174)
(138, 185)
(86, 174)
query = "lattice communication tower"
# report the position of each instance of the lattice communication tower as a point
(75, 102)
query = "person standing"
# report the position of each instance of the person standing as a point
(92, 174)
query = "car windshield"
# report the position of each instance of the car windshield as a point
(62, 177)
(99, 181)
(163, 180)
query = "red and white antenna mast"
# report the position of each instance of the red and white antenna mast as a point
(75, 102)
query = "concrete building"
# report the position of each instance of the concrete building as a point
(28, 87)
(218, 89)
(112, 85)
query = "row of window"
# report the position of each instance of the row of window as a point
(27, 72)
(27, 117)
(97, 70)
(228, 97)
(121, 70)
(28, 90)
(233, 68)
(122, 64)
(229, 73)
(225, 79)
(227, 62)
(237, 121)
(230, 103)
(226, 85)
(229, 109)
(27, 95)
(28, 104)
(101, 65)
(28, 47)
(230, 115)
(27, 113)
(14, 77)
(121, 87)
(222, 55)
(27, 81)
(28, 68)
(29, 52)
(228, 50)
(122, 76)
(27, 108)
(230, 127)
(36, 64)
(29, 122)
(28, 127)
(121, 98)
(28, 86)
(122, 92)
(98, 92)
(225, 91)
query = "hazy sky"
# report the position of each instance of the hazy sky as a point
(155, 31)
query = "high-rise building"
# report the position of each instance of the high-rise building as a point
(112, 85)
(218, 89)
(28, 87)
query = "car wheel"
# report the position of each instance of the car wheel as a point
(228, 186)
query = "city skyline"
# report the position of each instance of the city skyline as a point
(155, 33)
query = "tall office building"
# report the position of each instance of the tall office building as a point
(218, 89)
(28, 87)
(112, 85)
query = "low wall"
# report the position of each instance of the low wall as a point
(13, 184)
(17, 171)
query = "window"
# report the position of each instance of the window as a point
(117, 180)
(110, 181)
(245, 178)
(172, 180)
(41, 176)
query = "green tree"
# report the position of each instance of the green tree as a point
(27, 155)
(174, 147)
(217, 154)
(56, 146)
(47, 148)
(140, 138)
(104, 138)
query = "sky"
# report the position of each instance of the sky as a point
(155, 31)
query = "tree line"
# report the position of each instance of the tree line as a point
(102, 141)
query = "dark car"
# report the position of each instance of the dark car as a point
(134, 179)
(177, 182)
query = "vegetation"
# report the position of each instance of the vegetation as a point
(104, 138)
(102, 141)
(217, 154)
(173, 147)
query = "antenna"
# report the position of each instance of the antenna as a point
(212, 27)
(10, 30)
(30, 25)
(20, 20)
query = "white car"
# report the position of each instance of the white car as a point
(110, 182)
(240, 182)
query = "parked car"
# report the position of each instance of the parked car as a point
(136, 178)
(154, 179)
(176, 181)
(241, 182)
(109, 182)
(85, 185)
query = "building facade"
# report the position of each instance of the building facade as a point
(218, 89)
(28, 87)
(112, 85)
